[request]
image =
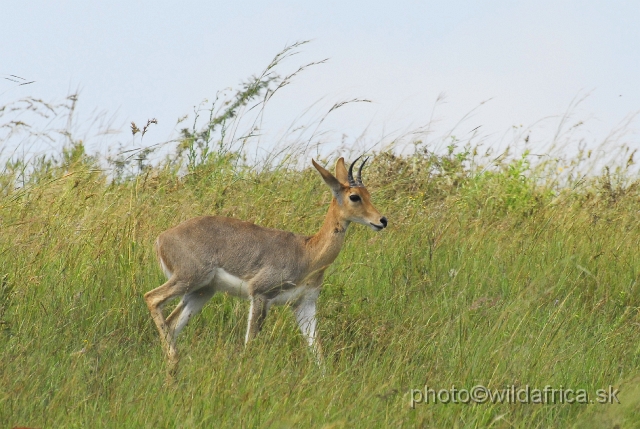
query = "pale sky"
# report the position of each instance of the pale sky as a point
(142, 60)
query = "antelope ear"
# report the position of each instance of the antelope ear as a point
(341, 172)
(328, 178)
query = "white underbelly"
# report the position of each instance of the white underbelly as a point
(225, 282)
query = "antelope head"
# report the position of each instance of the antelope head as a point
(352, 198)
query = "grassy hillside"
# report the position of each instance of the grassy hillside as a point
(486, 276)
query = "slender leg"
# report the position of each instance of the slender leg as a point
(171, 319)
(305, 312)
(190, 305)
(155, 300)
(257, 314)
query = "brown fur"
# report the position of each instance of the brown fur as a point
(270, 261)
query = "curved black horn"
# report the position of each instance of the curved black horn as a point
(359, 178)
(352, 182)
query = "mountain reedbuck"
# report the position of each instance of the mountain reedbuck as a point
(210, 254)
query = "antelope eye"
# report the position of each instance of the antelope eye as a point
(355, 198)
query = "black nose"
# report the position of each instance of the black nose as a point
(383, 221)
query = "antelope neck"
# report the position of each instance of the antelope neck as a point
(325, 245)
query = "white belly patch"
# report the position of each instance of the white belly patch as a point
(225, 282)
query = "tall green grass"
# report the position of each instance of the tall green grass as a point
(498, 274)
(485, 279)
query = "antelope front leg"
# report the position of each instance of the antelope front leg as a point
(257, 314)
(305, 312)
